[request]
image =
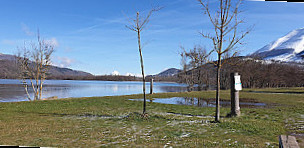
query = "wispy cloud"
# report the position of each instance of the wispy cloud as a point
(27, 30)
(160, 20)
(63, 61)
(100, 22)
(87, 28)
(117, 20)
(52, 41)
(9, 42)
(68, 49)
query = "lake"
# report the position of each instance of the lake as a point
(13, 91)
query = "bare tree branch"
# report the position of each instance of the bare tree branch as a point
(33, 63)
(224, 21)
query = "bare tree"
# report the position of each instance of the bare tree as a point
(225, 37)
(193, 61)
(137, 24)
(33, 63)
(184, 76)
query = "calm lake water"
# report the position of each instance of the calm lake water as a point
(13, 91)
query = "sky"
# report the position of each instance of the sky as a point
(90, 35)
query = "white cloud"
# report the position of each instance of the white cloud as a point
(9, 42)
(115, 73)
(68, 49)
(52, 41)
(131, 74)
(26, 30)
(63, 61)
(138, 75)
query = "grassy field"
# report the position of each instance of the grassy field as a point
(116, 122)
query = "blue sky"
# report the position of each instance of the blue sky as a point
(90, 35)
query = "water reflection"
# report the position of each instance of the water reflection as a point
(200, 102)
(12, 90)
(204, 102)
(172, 88)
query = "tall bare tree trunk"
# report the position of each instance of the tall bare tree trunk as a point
(142, 71)
(37, 89)
(137, 25)
(218, 88)
(218, 72)
(40, 88)
(26, 91)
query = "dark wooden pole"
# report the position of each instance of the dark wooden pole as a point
(235, 100)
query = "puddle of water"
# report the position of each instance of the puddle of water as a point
(201, 102)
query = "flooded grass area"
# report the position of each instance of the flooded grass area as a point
(202, 102)
(115, 121)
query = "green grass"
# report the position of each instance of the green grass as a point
(116, 122)
(279, 90)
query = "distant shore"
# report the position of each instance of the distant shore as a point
(109, 78)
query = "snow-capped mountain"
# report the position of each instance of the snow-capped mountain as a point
(289, 48)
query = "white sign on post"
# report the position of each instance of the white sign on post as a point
(237, 83)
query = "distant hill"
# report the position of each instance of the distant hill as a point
(7, 57)
(8, 70)
(169, 75)
(169, 72)
(65, 72)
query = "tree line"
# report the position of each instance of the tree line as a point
(255, 73)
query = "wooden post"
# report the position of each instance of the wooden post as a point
(151, 86)
(288, 142)
(235, 100)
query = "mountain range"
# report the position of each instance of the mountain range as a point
(8, 69)
(289, 48)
